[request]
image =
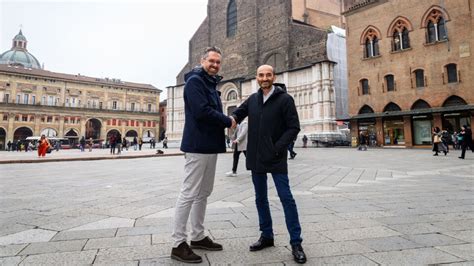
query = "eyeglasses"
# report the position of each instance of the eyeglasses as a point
(213, 62)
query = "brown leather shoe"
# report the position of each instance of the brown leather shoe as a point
(185, 254)
(206, 244)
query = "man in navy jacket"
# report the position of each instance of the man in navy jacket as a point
(203, 139)
(272, 125)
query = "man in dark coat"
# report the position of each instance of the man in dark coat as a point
(466, 143)
(203, 139)
(272, 125)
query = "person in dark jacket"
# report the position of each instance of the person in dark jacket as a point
(203, 139)
(273, 125)
(466, 141)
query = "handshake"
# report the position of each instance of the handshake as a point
(234, 123)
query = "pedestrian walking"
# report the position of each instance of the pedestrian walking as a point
(82, 143)
(305, 141)
(273, 124)
(240, 145)
(362, 141)
(112, 143)
(203, 138)
(118, 144)
(43, 146)
(90, 143)
(9, 145)
(466, 141)
(165, 143)
(437, 143)
(125, 143)
(140, 143)
(135, 143)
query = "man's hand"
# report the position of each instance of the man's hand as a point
(235, 142)
(234, 124)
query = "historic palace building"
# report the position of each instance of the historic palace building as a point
(411, 68)
(296, 37)
(34, 101)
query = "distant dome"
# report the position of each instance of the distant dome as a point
(18, 55)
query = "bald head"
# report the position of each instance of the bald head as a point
(265, 67)
(265, 77)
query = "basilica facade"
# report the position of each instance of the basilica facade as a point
(34, 101)
(295, 37)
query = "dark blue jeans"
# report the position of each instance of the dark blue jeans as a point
(289, 205)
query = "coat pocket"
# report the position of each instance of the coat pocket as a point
(267, 151)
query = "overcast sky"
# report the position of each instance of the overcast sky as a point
(138, 41)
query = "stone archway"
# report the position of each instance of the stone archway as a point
(72, 136)
(49, 132)
(114, 132)
(93, 127)
(22, 133)
(3, 135)
(131, 134)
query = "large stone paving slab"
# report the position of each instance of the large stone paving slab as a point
(62, 258)
(11, 250)
(28, 236)
(53, 247)
(383, 206)
(421, 256)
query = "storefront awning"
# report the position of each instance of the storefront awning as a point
(458, 108)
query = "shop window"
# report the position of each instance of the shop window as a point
(394, 132)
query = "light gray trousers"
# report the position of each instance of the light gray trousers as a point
(199, 174)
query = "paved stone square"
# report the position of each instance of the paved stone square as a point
(382, 206)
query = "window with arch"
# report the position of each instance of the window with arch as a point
(364, 84)
(452, 71)
(371, 43)
(231, 18)
(232, 95)
(419, 78)
(390, 82)
(366, 110)
(436, 27)
(400, 36)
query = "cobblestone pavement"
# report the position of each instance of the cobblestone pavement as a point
(401, 207)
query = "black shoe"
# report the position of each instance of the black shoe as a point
(262, 243)
(294, 155)
(185, 254)
(206, 244)
(435, 154)
(461, 158)
(298, 253)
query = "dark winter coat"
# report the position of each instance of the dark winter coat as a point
(204, 121)
(272, 126)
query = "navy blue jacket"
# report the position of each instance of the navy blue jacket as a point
(204, 121)
(273, 125)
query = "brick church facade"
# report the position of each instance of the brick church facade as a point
(289, 35)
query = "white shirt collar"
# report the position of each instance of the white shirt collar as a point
(265, 97)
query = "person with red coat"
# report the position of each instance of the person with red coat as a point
(43, 145)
